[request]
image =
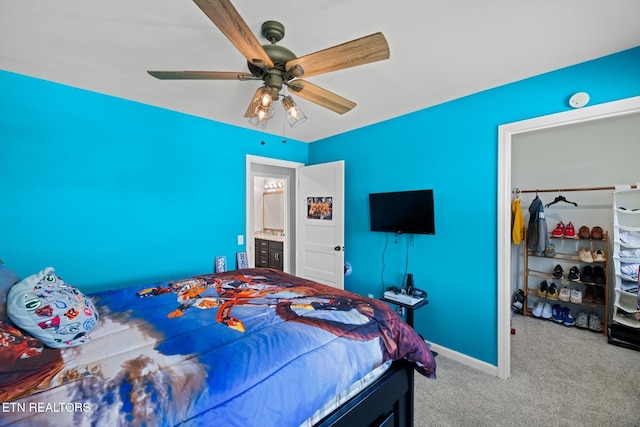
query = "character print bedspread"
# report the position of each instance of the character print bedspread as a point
(254, 347)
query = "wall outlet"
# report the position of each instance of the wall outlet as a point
(240, 239)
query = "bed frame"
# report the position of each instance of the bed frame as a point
(387, 402)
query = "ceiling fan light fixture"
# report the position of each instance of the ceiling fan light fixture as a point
(295, 116)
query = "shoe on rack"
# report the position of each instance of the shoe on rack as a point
(567, 318)
(552, 292)
(597, 233)
(587, 274)
(565, 294)
(518, 301)
(576, 296)
(557, 272)
(542, 290)
(546, 311)
(598, 256)
(570, 231)
(556, 313)
(594, 322)
(589, 294)
(559, 230)
(599, 295)
(582, 320)
(550, 251)
(574, 274)
(584, 232)
(537, 310)
(598, 275)
(585, 255)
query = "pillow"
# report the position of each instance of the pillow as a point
(26, 365)
(51, 310)
(7, 279)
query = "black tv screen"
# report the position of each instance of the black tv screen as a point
(403, 212)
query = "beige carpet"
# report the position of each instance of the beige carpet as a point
(560, 376)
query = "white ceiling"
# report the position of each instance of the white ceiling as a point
(440, 50)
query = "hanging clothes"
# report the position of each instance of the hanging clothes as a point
(537, 236)
(517, 227)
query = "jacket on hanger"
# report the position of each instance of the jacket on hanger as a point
(537, 236)
(517, 232)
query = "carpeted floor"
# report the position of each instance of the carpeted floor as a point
(560, 376)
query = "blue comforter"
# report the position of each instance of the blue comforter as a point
(253, 347)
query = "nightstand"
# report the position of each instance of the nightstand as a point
(408, 309)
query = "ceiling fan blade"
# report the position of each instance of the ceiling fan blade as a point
(321, 96)
(361, 51)
(201, 75)
(228, 20)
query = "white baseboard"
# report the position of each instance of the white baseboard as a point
(464, 359)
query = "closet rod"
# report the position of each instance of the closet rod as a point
(560, 190)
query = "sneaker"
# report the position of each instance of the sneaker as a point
(565, 294)
(594, 322)
(546, 311)
(567, 318)
(585, 255)
(587, 274)
(589, 294)
(552, 292)
(537, 310)
(598, 275)
(518, 301)
(559, 230)
(550, 251)
(582, 320)
(557, 272)
(574, 274)
(570, 231)
(599, 256)
(584, 232)
(576, 296)
(556, 313)
(542, 290)
(597, 233)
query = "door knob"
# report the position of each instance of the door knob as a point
(338, 248)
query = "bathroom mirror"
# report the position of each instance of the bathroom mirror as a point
(273, 210)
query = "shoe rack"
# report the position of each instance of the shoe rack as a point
(539, 268)
(626, 243)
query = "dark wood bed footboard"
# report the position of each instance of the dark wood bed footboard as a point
(388, 402)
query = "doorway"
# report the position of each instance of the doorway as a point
(261, 171)
(506, 133)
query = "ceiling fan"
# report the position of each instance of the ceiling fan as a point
(277, 66)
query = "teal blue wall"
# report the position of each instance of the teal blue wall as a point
(452, 148)
(112, 192)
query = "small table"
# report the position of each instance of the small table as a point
(408, 307)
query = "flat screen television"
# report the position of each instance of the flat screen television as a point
(402, 212)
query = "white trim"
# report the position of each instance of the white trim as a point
(505, 135)
(250, 235)
(465, 360)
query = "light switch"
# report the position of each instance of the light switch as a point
(240, 239)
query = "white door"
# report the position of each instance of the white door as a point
(320, 223)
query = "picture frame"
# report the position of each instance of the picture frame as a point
(241, 260)
(221, 264)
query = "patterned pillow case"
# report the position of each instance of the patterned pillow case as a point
(51, 310)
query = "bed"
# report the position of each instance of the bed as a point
(241, 348)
